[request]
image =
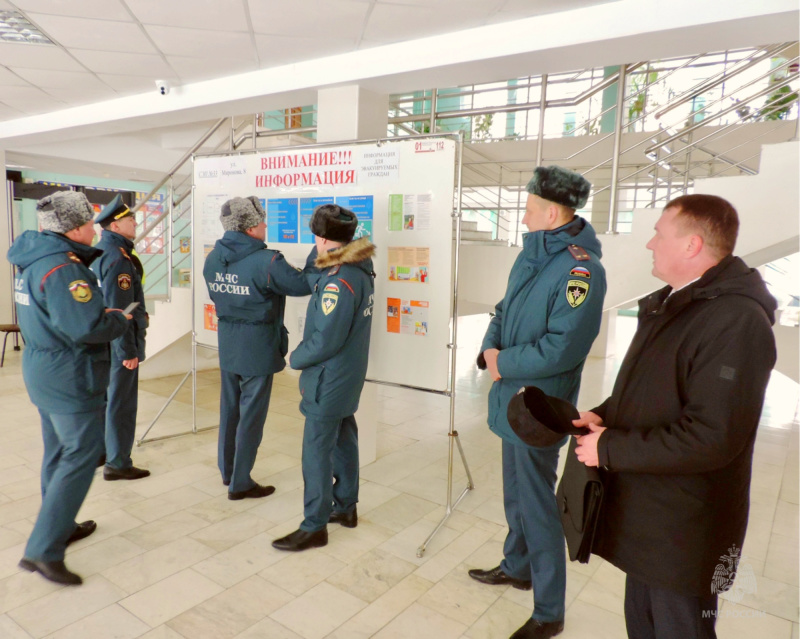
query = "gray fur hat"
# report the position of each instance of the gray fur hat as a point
(241, 213)
(333, 222)
(62, 211)
(560, 185)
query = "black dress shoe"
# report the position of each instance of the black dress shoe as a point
(348, 520)
(496, 577)
(255, 492)
(82, 531)
(113, 474)
(102, 461)
(535, 629)
(301, 540)
(54, 571)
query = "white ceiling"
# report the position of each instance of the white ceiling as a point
(108, 49)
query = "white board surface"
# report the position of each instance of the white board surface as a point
(402, 191)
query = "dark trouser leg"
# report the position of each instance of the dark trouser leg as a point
(52, 451)
(319, 440)
(516, 558)
(345, 467)
(656, 613)
(544, 538)
(253, 405)
(123, 398)
(80, 441)
(228, 422)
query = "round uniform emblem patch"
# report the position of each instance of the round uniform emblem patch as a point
(577, 290)
(124, 281)
(80, 290)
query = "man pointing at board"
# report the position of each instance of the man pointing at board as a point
(248, 283)
(333, 357)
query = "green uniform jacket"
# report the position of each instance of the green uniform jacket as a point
(63, 319)
(548, 319)
(335, 348)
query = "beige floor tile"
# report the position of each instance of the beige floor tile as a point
(406, 543)
(774, 597)
(584, 621)
(166, 599)
(231, 612)
(499, 621)
(452, 556)
(162, 632)
(240, 561)
(113, 622)
(331, 606)
(348, 544)
(381, 611)
(606, 589)
(164, 530)
(22, 588)
(783, 559)
(151, 567)
(739, 622)
(371, 575)
(400, 512)
(460, 597)
(232, 531)
(299, 572)
(421, 622)
(787, 519)
(9, 629)
(66, 606)
(268, 628)
(98, 557)
(157, 507)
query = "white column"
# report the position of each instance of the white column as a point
(604, 343)
(6, 284)
(351, 113)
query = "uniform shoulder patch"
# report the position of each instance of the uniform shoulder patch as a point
(124, 253)
(73, 257)
(331, 287)
(335, 270)
(124, 281)
(578, 253)
(576, 292)
(329, 301)
(80, 290)
(580, 271)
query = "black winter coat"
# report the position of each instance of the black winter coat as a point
(682, 423)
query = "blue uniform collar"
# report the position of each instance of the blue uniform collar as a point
(538, 244)
(88, 254)
(116, 239)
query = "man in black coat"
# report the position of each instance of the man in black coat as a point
(676, 436)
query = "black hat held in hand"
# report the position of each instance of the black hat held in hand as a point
(541, 420)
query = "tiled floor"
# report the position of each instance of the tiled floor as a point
(174, 558)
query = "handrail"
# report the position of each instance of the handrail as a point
(697, 125)
(710, 83)
(186, 156)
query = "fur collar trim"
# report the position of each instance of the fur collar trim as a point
(350, 253)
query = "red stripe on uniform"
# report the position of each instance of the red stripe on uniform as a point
(48, 274)
(346, 284)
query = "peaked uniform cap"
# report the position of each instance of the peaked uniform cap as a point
(115, 210)
(541, 420)
(560, 185)
(62, 211)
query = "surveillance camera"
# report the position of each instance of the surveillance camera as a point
(162, 86)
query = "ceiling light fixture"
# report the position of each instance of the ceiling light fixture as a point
(16, 28)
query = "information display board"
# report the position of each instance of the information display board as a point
(403, 194)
